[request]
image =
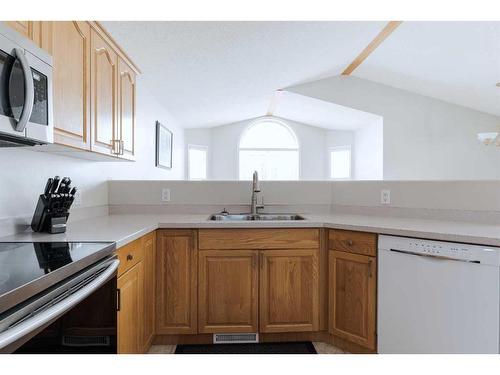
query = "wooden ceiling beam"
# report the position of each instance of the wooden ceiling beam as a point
(381, 36)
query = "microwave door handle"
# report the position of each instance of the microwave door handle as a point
(29, 90)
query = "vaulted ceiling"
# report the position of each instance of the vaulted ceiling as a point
(214, 73)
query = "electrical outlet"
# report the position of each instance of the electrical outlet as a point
(78, 198)
(385, 196)
(165, 195)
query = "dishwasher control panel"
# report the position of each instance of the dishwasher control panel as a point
(441, 249)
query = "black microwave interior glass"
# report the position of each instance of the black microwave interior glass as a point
(12, 91)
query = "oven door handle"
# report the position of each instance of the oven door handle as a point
(44, 317)
(29, 90)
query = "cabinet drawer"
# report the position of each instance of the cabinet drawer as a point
(227, 239)
(129, 255)
(353, 242)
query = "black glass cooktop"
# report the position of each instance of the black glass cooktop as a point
(37, 265)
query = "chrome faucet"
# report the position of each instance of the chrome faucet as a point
(255, 190)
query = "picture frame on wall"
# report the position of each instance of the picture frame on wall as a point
(164, 145)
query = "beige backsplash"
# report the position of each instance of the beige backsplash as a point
(473, 201)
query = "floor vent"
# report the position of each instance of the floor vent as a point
(235, 338)
(69, 340)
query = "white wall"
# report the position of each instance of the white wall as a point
(23, 173)
(314, 143)
(424, 138)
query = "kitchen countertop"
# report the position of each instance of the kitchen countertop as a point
(123, 229)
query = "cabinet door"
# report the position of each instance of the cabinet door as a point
(126, 109)
(104, 75)
(23, 27)
(149, 248)
(176, 262)
(352, 297)
(289, 290)
(71, 53)
(39, 32)
(130, 313)
(228, 286)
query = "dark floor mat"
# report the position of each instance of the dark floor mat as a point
(305, 347)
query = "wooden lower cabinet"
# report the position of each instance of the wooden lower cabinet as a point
(352, 297)
(136, 294)
(289, 290)
(131, 310)
(149, 248)
(227, 291)
(176, 282)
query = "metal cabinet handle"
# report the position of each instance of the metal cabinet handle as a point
(118, 299)
(29, 90)
(117, 146)
(349, 242)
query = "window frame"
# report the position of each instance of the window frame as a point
(339, 148)
(199, 148)
(279, 122)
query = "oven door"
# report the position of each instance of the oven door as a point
(25, 94)
(76, 316)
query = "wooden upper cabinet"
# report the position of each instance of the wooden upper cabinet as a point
(176, 281)
(149, 249)
(104, 68)
(131, 310)
(39, 32)
(23, 27)
(71, 54)
(352, 299)
(126, 109)
(227, 290)
(289, 290)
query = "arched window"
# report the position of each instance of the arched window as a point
(269, 147)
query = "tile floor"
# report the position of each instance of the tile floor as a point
(321, 348)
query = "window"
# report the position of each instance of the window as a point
(340, 162)
(270, 148)
(197, 162)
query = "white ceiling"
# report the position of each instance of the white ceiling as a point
(458, 62)
(322, 114)
(214, 73)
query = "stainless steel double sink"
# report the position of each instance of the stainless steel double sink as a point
(256, 217)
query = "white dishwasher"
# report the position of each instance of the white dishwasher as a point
(437, 297)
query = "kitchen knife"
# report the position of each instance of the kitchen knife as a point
(47, 187)
(73, 192)
(63, 185)
(55, 184)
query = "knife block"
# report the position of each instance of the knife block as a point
(50, 216)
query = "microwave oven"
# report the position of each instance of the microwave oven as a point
(26, 117)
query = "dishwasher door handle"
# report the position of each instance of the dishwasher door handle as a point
(438, 257)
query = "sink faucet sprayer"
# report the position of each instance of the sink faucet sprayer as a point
(255, 190)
